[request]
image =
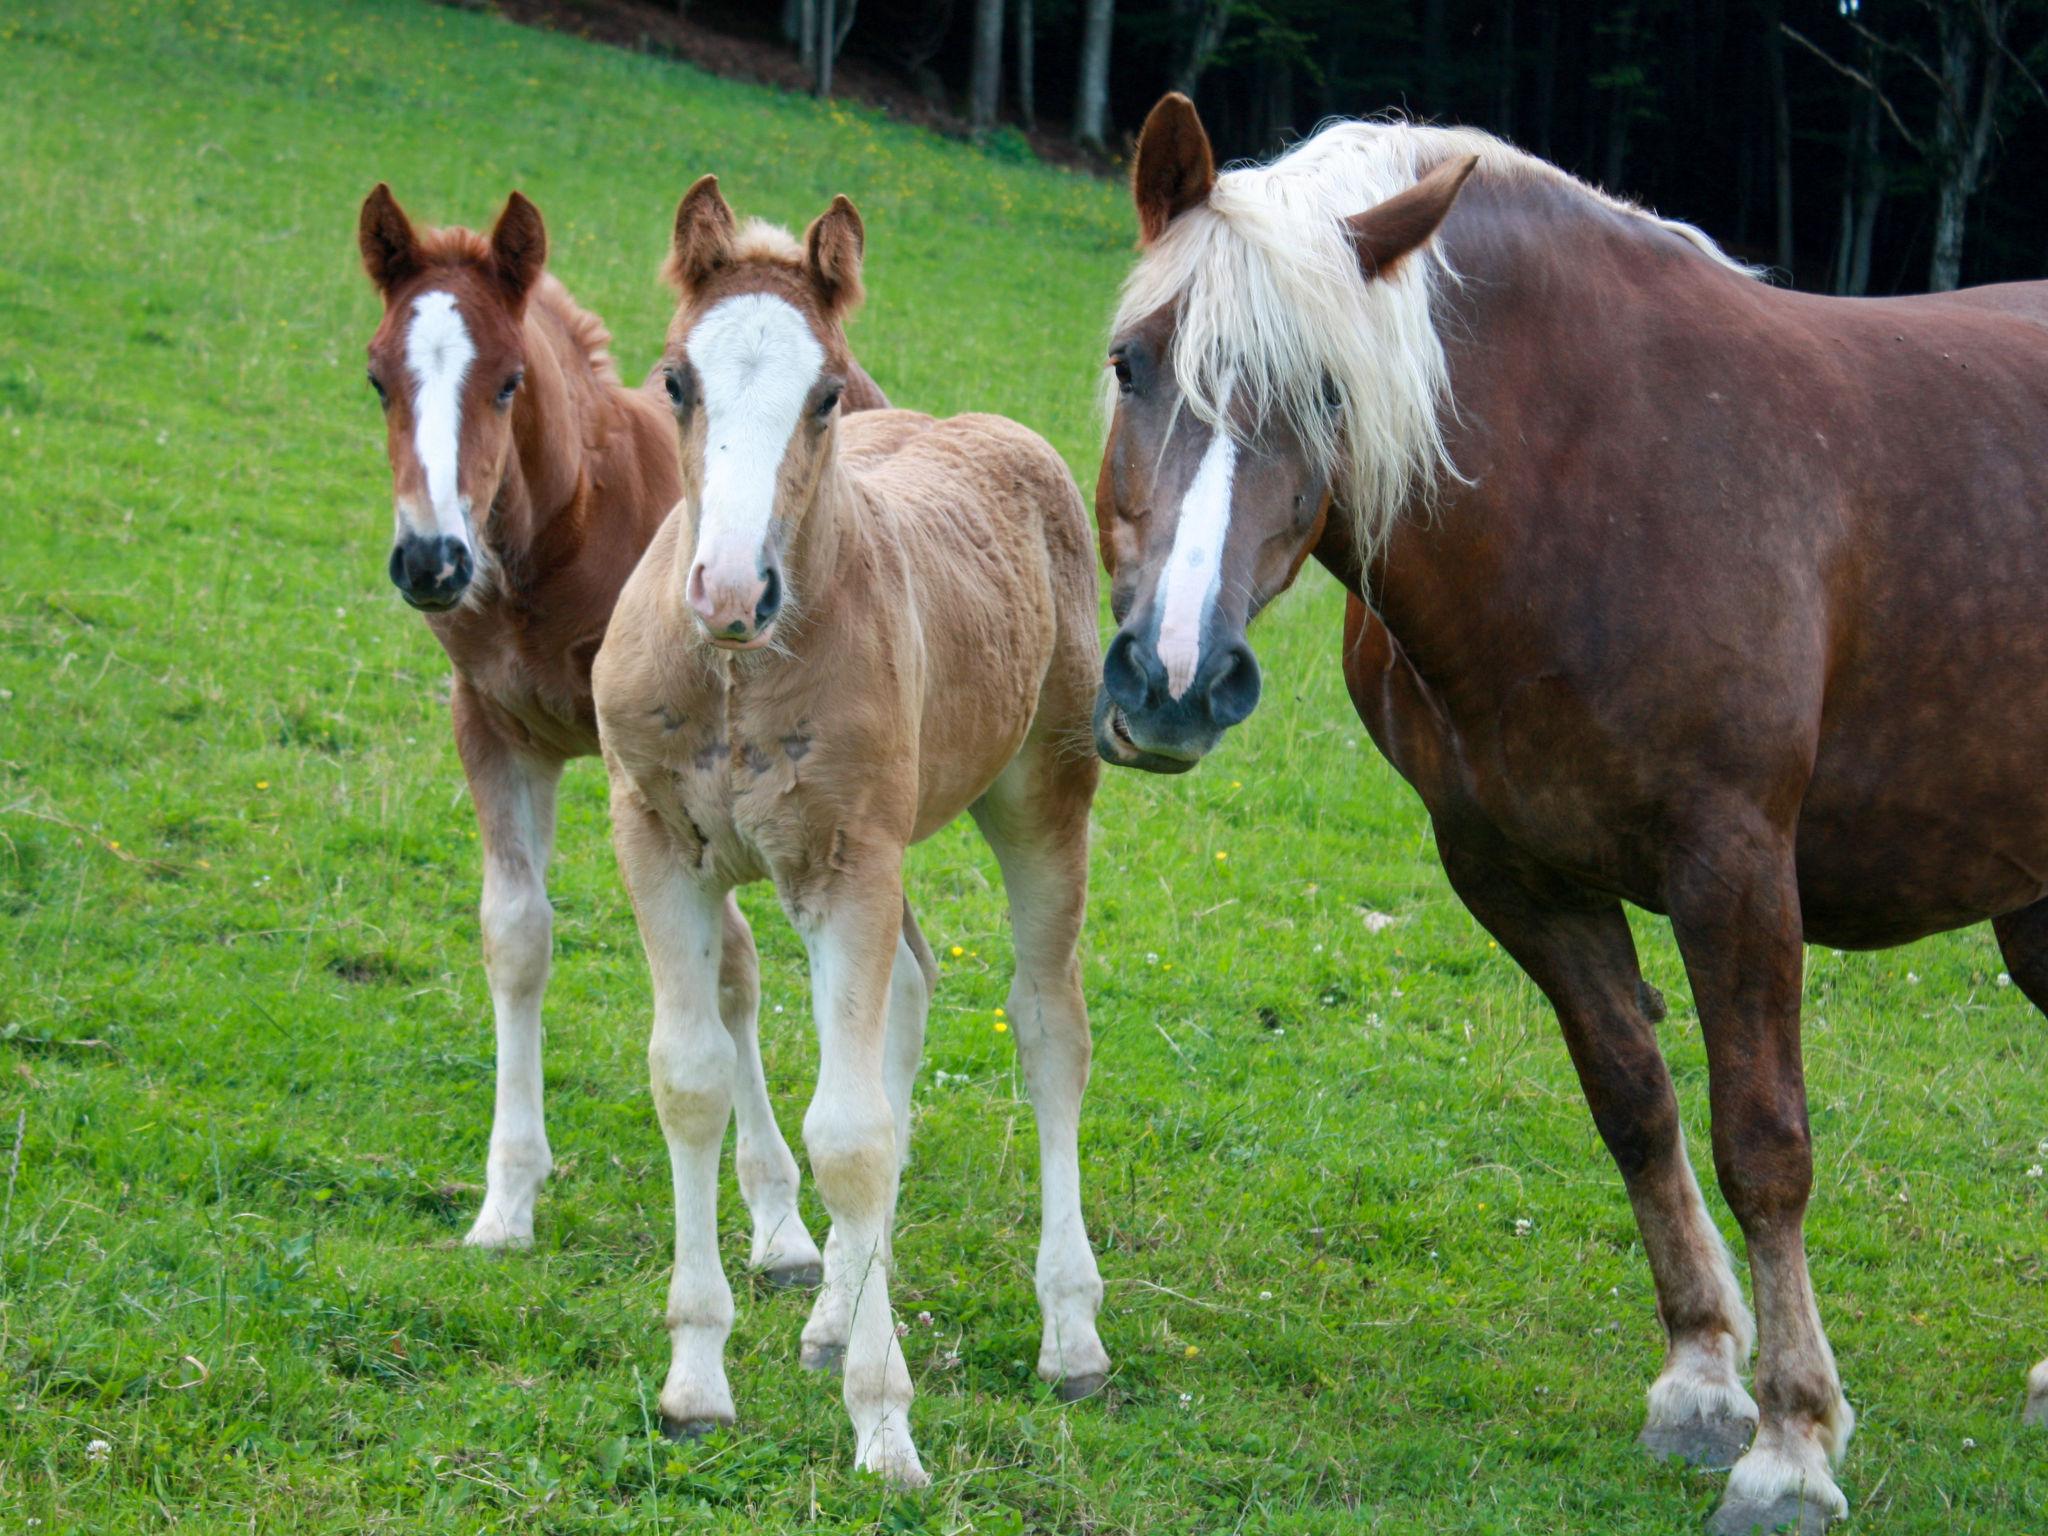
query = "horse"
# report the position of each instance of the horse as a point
(1667, 587)
(526, 483)
(853, 629)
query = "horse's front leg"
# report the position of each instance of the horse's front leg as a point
(1579, 951)
(853, 930)
(690, 1061)
(515, 810)
(1734, 901)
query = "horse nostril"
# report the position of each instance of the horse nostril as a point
(1234, 693)
(398, 566)
(770, 603)
(1125, 674)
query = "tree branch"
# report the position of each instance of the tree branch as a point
(1857, 75)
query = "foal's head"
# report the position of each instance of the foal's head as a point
(446, 362)
(1273, 352)
(755, 365)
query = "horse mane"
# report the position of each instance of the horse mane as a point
(1273, 316)
(455, 246)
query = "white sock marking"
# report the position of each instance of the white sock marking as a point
(1194, 569)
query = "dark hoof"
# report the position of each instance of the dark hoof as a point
(1716, 1444)
(1787, 1512)
(798, 1277)
(1651, 1001)
(683, 1431)
(823, 1357)
(1072, 1389)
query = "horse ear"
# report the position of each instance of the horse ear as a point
(703, 238)
(519, 247)
(390, 248)
(1388, 231)
(1175, 169)
(833, 247)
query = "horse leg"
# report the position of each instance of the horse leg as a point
(854, 932)
(1578, 949)
(1734, 901)
(690, 1068)
(514, 796)
(2023, 940)
(1035, 817)
(782, 1247)
(912, 979)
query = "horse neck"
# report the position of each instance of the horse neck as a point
(829, 526)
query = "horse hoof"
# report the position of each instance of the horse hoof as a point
(1072, 1389)
(795, 1277)
(1787, 1512)
(1716, 1443)
(684, 1431)
(823, 1357)
(2036, 1413)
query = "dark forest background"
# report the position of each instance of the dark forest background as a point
(1875, 146)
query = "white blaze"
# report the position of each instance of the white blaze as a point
(757, 360)
(1194, 570)
(438, 353)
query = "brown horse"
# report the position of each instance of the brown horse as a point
(1668, 587)
(852, 630)
(527, 480)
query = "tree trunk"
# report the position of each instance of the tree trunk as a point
(1546, 77)
(828, 46)
(1962, 136)
(1621, 97)
(1504, 68)
(1781, 132)
(1027, 50)
(1205, 21)
(985, 75)
(1091, 95)
(806, 32)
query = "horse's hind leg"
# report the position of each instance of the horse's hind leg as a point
(782, 1247)
(1579, 951)
(2023, 940)
(1734, 900)
(1035, 817)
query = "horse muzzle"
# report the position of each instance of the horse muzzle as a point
(1140, 723)
(433, 572)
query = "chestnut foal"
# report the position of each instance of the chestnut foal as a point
(527, 480)
(850, 631)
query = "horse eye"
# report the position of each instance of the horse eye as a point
(511, 388)
(673, 385)
(1122, 366)
(831, 399)
(378, 385)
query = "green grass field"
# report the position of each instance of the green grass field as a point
(243, 1022)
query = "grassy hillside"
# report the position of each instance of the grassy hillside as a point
(244, 1029)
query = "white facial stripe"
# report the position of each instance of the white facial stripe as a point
(438, 353)
(1194, 570)
(757, 360)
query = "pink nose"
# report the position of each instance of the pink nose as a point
(734, 607)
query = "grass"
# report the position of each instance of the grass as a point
(244, 1031)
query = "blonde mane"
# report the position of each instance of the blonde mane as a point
(1273, 318)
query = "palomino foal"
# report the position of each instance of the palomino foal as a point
(849, 632)
(527, 480)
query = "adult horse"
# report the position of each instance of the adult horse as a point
(852, 630)
(1668, 587)
(526, 481)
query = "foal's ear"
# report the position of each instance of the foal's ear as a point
(1175, 168)
(833, 247)
(390, 248)
(703, 239)
(519, 247)
(1388, 231)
